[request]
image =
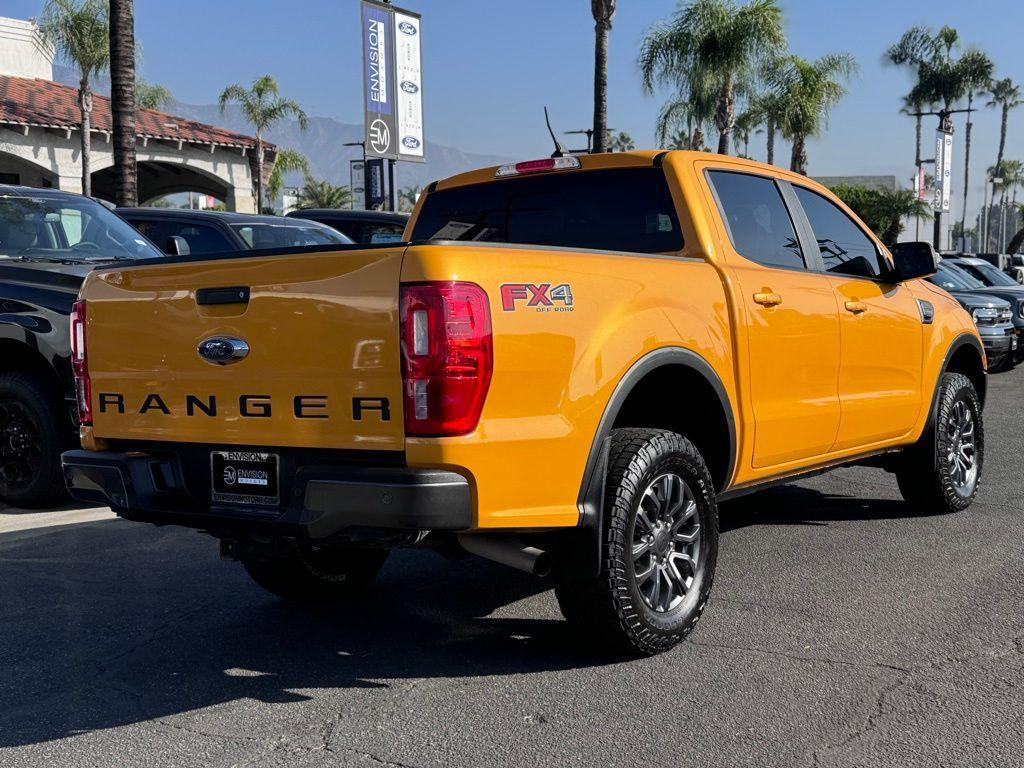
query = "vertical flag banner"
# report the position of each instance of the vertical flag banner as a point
(409, 80)
(943, 170)
(375, 192)
(379, 80)
(357, 181)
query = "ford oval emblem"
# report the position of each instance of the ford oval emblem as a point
(407, 27)
(411, 142)
(223, 350)
(408, 86)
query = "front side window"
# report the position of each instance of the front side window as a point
(845, 248)
(73, 229)
(623, 209)
(758, 222)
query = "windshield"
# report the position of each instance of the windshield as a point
(970, 280)
(951, 280)
(989, 274)
(259, 235)
(626, 209)
(67, 229)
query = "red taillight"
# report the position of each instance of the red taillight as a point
(447, 357)
(80, 363)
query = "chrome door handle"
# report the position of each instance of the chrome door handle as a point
(857, 307)
(767, 299)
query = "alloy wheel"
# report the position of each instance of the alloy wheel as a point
(20, 453)
(961, 456)
(666, 542)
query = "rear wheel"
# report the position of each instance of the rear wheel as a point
(659, 547)
(317, 574)
(33, 432)
(943, 471)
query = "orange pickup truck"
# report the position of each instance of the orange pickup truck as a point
(564, 367)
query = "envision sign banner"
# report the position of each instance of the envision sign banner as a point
(393, 82)
(943, 170)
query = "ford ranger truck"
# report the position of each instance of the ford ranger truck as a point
(564, 367)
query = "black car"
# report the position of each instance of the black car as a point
(361, 226)
(183, 232)
(49, 241)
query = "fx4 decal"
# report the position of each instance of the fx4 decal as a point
(542, 297)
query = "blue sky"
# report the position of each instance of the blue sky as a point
(491, 65)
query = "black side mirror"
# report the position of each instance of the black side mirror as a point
(177, 246)
(913, 260)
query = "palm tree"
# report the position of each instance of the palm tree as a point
(746, 122)
(262, 105)
(719, 45)
(287, 161)
(895, 205)
(603, 11)
(694, 110)
(1011, 174)
(678, 140)
(1006, 96)
(977, 73)
(151, 95)
(122, 100)
(323, 194)
(768, 108)
(808, 89)
(79, 30)
(621, 142)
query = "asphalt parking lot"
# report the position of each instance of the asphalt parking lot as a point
(841, 632)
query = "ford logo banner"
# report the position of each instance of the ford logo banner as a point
(409, 87)
(411, 142)
(407, 28)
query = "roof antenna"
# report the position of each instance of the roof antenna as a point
(559, 149)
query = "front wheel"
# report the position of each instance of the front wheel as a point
(311, 574)
(33, 432)
(942, 472)
(659, 547)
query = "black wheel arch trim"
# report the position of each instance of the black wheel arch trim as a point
(591, 494)
(961, 340)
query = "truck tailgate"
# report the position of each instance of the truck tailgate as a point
(323, 363)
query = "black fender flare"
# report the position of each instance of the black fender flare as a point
(591, 495)
(968, 339)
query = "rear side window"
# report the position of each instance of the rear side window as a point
(758, 221)
(845, 248)
(628, 209)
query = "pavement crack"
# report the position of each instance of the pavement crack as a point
(801, 657)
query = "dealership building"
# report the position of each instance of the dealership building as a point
(40, 136)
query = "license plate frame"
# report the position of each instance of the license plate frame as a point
(252, 478)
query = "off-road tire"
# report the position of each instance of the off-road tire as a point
(608, 608)
(40, 401)
(317, 575)
(924, 474)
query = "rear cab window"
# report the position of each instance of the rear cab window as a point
(620, 209)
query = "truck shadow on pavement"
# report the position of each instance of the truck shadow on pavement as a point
(110, 623)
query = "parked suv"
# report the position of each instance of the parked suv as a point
(996, 283)
(49, 240)
(186, 232)
(993, 315)
(568, 366)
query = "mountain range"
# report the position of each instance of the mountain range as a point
(322, 142)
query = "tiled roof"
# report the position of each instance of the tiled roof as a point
(33, 102)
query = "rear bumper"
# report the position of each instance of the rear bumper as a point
(323, 500)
